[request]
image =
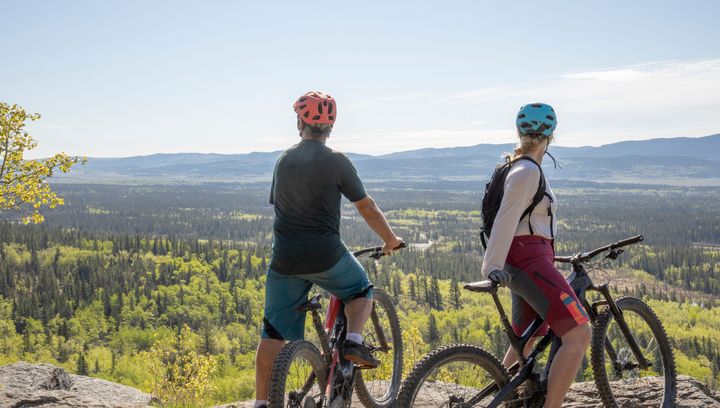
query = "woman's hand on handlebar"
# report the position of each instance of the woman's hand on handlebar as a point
(393, 245)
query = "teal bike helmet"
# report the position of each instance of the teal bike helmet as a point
(536, 119)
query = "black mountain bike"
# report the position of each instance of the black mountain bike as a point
(628, 344)
(303, 376)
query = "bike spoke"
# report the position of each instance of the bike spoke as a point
(655, 347)
(300, 383)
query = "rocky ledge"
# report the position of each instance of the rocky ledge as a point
(690, 394)
(25, 385)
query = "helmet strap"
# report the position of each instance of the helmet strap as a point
(555, 163)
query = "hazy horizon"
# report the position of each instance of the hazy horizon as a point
(330, 144)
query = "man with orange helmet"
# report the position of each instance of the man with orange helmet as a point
(308, 182)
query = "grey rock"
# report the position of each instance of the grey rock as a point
(44, 385)
(690, 394)
(640, 393)
(59, 380)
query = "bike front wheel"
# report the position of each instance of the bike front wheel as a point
(619, 376)
(378, 387)
(298, 376)
(459, 375)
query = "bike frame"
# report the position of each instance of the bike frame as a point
(332, 332)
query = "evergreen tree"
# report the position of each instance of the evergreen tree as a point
(455, 293)
(82, 365)
(433, 334)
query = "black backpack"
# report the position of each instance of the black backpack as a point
(494, 191)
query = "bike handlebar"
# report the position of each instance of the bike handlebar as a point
(586, 256)
(375, 252)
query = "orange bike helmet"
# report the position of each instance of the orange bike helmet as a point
(316, 109)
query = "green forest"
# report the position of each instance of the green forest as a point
(126, 282)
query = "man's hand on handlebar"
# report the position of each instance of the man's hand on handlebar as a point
(393, 245)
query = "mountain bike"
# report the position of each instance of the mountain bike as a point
(628, 344)
(303, 376)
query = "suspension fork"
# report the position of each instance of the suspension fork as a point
(620, 319)
(323, 336)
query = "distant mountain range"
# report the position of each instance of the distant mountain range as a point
(673, 160)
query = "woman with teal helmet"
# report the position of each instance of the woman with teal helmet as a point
(520, 254)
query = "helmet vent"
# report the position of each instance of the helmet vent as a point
(521, 116)
(330, 109)
(550, 117)
(316, 117)
(307, 113)
(320, 110)
(331, 117)
(301, 107)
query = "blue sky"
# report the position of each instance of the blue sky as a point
(119, 78)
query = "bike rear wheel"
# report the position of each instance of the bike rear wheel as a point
(620, 378)
(298, 376)
(456, 375)
(378, 387)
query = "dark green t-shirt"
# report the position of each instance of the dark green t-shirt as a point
(308, 182)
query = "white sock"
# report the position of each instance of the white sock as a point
(356, 337)
(260, 402)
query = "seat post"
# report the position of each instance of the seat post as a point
(503, 317)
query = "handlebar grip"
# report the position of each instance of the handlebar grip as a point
(629, 241)
(563, 259)
(379, 252)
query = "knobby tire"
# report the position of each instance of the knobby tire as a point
(599, 356)
(366, 393)
(292, 351)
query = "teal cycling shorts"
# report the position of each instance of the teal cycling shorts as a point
(346, 280)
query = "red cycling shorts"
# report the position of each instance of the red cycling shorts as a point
(538, 288)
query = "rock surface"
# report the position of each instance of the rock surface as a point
(25, 385)
(44, 385)
(690, 394)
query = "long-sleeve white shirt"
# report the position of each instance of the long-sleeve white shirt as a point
(521, 185)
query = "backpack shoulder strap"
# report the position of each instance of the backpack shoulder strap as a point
(539, 194)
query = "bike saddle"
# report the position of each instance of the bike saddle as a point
(486, 286)
(310, 305)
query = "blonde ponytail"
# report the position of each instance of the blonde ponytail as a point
(527, 144)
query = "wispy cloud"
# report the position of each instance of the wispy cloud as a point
(650, 85)
(605, 105)
(659, 99)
